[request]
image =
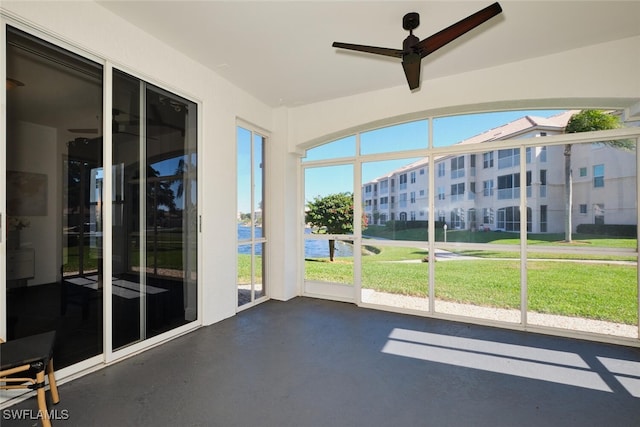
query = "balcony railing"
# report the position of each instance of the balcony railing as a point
(512, 193)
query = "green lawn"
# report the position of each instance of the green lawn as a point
(244, 268)
(592, 290)
(165, 252)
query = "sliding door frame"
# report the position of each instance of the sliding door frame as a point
(108, 355)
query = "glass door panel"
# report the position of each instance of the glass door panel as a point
(54, 214)
(251, 230)
(328, 234)
(128, 230)
(154, 211)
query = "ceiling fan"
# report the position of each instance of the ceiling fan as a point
(413, 50)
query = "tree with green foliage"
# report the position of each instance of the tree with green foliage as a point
(332, 214)
(586, 121)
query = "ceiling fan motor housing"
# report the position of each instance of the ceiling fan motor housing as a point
(411, 21)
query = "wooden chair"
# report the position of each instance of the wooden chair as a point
(24, 362)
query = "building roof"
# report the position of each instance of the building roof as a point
(519, 126)
(509, 130)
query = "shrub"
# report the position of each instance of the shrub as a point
(621, 230)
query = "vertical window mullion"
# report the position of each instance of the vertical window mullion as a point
(142, 188)
(253, 217)
(108, 197)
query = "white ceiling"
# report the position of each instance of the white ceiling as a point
(281, 53)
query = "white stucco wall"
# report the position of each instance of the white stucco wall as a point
(604, 75)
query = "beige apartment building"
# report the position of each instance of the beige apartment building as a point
(480, 190)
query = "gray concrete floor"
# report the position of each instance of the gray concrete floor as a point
(309, 362)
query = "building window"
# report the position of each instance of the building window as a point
(598, 176)
(457, 219)
(412, 215)
(487, 160)
(384, 187)
(403, 181)
(487, 217)
(441, 193)
(422, 171)
(403, 200)
(413, 197)
(487, 188)
(509, 218)
(457, 167)
(509, 186)
(543, 183)
(598, 211)
(543, 152)
(413, 177)
(441, 169)
(543, 218)
(508, 158)
(457, 191)
(583, 209)
(472, 165)
(472, 191)
(471, 217)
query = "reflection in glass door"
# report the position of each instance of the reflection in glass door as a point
(54, 160)
(154, 175)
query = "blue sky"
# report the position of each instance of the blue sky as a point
(447, 131)
(245, 148)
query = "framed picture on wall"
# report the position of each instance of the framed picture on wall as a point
(26, 193)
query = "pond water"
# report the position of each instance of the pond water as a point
(312, 248)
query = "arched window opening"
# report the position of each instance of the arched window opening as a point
(456, 196)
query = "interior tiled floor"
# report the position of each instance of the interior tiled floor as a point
(309, 362)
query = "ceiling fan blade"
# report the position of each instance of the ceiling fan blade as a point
(411, 65)
(441, 38)
(396, 53)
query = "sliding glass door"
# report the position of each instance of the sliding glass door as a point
(77, 208)
(54, 216)
(154, 211)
